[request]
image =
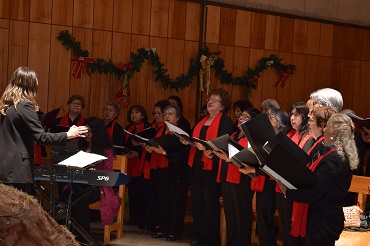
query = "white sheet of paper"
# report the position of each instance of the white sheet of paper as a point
(82, 159)
(232, 150)
(176, 129)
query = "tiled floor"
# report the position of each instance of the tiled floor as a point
(135, 237)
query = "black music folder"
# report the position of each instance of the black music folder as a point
(287, 162)
(246, 156)
(123, 148)
(258, 131)
(60, 153)
(360, 122)
(142, 136)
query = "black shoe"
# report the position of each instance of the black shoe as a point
(159, 235)
(171, 238)
(196, 243)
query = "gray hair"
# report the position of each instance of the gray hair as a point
(175, 108)
(271, 103)
(329, 97)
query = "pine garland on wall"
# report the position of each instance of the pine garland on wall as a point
(199, 66)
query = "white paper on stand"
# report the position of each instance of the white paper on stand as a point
(82, 159)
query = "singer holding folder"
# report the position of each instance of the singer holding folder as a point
(236, 188)
(319, 216)
(204, 188)
(20, 128)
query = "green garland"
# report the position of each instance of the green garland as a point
(249, 81)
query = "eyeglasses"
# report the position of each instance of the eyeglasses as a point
(168, 114)
(156, 113)
(245, 117)
(214, 100)
(77, 104)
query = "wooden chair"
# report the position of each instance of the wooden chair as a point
(360, 185)
(119, 164)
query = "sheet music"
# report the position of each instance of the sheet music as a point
(82, 159)
(176, 129)
(272, 173)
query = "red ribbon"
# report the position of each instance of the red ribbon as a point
(253, 80)
(282, 77)
(81, 64)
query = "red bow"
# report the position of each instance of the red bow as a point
(282, 77)
(81, 64)
(253, 80)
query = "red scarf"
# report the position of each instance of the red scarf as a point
(65, 121)
(233, 174)
(110, 130)
(159, 160)
(143, 162)
(134, 167)
(300, 210)
(212, 133)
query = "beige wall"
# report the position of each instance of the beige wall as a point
(354, 12)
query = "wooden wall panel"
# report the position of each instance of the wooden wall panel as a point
(243, 28)
(213, 25)
(159, 18)
(272, 32)
(346, 81)
(177, 15)
(286, 34)
(38, 59)
(257, 36)
(366, 111)
(189, 95)
(300, 36)
(192, 21)
(227, 26)
(40, 11)
(83, 13)
(139, 82)
(313, 38)
(4, 45)
(297, 81)
(310, 80)
(62, 12)
(18, 45)
(60, 72)
(326, 39)
(122, 20)
(20, 10)
(359, 83)
(82, 85)
(283, 94)
(4, 9)
(154, 90)
(103, 14)
(100, 83)
(141, 17)
(323, 79)
(254, 56)
(268, 79)
(325, 55)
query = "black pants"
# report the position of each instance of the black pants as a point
(266, 207)
(238, 211)
(205, 206)
(171, 203)
(136, 199)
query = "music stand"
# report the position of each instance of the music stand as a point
(58, 154)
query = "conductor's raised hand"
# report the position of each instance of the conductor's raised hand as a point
(77, 131)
